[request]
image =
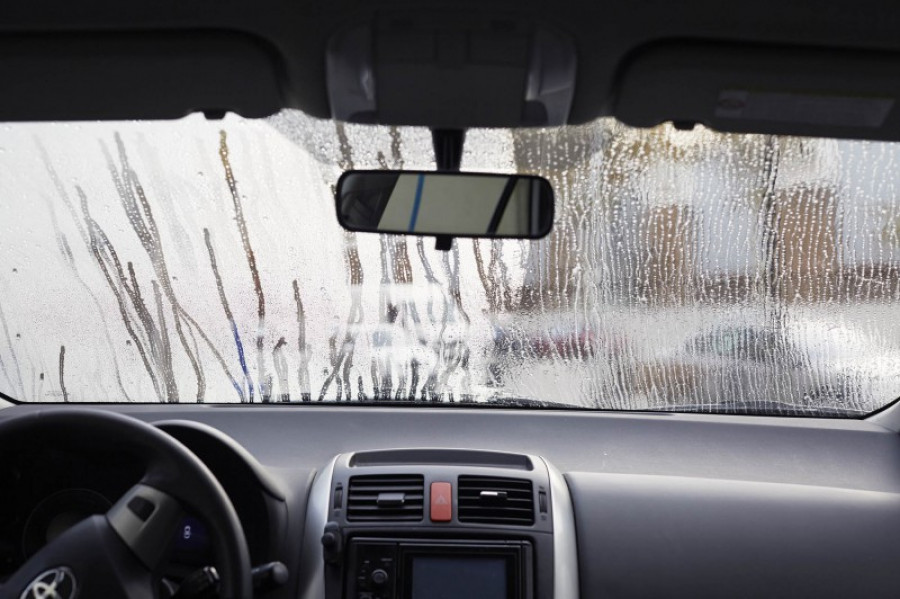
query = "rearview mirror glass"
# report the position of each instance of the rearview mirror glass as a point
(445, 204)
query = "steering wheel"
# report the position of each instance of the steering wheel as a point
(118, 554)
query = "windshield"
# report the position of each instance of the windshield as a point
(201, 261)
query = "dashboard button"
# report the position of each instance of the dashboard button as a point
(441, 502)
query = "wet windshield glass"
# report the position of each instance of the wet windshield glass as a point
(201, 261)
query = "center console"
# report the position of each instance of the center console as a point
(440, 523)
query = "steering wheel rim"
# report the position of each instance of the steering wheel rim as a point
(174, 474)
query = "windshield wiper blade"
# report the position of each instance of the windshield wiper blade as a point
(762, 408)
(8, 398)
(525, 402)
(464, 400)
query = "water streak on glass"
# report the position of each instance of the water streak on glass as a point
(198, 261)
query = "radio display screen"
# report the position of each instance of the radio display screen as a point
(459, 577)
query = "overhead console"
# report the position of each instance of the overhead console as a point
(419, 524)
(437, 70)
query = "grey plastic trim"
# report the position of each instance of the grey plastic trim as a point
(441, 456)
(312, 562)
(889, 418)
(350, 74)
(565, 541)
(551, 76)
(654, 535)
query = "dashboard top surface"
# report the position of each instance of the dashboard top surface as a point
(851, 454)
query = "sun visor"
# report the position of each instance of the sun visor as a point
(445, 74)
(743, 89)
(136, 76)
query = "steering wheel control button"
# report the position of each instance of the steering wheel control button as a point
(441, 502)
(142, 508)
(56, 583)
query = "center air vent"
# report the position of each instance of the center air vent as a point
(495, 500)
(386, 497)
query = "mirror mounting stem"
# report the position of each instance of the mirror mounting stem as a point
(443, 243)
(448, 148)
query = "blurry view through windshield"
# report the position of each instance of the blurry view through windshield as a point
(201, 261)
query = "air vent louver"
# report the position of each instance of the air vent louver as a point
(495, 500)
(386, 497)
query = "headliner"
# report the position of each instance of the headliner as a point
(642, 61)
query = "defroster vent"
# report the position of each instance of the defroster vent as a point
(386, 497)
(495, 500)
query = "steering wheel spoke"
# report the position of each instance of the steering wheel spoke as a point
(145, 519)
(88, 560)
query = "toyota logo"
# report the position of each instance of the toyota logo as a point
(56, 583)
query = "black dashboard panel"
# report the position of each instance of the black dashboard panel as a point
(665, 505)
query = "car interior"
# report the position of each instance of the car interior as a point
(507, 471)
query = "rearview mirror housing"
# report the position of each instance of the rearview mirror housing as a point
(445, 204)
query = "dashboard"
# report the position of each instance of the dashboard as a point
(365, 502)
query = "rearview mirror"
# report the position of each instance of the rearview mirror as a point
(445, 204)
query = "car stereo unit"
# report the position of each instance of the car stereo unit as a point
(419, 569)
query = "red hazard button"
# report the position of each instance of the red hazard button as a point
(441, 502)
